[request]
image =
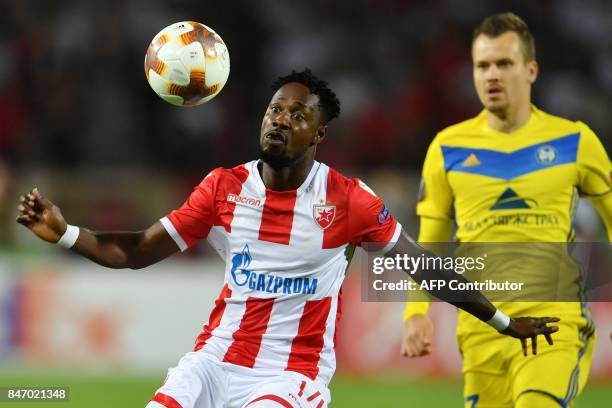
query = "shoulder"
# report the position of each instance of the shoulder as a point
(338, 181)
(346, 185)
(560, 124)
(569, 127)
(223, 175)
(460, 129)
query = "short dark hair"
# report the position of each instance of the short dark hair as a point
(328, 101)
(498, 24)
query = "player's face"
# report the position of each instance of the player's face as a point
(291, 126)
(501, 75)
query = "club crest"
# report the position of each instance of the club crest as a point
(324, 215)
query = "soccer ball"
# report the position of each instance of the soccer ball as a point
(187, 64)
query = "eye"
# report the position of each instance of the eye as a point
(298, 116)
(274, 109)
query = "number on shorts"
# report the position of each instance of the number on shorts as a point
(473, 399)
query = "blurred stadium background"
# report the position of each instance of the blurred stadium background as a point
(78, 120)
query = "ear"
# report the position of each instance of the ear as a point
(319, 135)
(533, 68)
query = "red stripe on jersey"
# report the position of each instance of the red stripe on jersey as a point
(320, 404)
(230, 185)
(277, 217)
(337, 194)
(313, 396)
(271, 397)
(166, 400)
(247, 339)
(302, 387)
(215, 317)
(307, 345)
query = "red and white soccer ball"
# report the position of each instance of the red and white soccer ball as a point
(187, 64)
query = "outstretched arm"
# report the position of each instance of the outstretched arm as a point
(111, 249)
(473, 301)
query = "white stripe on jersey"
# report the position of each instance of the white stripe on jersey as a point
(283, 324)
(221, 337)
(327, 362)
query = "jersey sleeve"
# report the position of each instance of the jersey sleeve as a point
(595, 175)
(370, 220)
(435, 194)
(594, 168)
(193, 220)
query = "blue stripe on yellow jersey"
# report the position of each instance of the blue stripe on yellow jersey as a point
(507, 166)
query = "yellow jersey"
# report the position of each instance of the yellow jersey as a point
(517, 187)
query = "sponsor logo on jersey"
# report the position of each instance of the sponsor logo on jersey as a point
(240, 263)
(268, 282)
(515, 220)
(509, 199)
(383, 215)
(248, 201)
(324, 215)
(546, 155)
(471, 161)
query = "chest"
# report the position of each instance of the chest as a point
(285, 230)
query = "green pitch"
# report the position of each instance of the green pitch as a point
(93, 392)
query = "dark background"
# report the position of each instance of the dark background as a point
(78, 119)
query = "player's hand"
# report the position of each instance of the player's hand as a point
(417, 338)
(524, 328)
(42, 217)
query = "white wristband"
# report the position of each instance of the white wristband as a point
(499, 321)
(70, 236)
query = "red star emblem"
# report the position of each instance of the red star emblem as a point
(324, 215)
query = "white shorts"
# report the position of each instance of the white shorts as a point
(201, 381)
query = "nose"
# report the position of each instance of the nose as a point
(492, 73)
(281, 120)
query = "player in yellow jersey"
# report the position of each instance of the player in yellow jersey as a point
(511, 174)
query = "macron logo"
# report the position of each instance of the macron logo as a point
(238, 199)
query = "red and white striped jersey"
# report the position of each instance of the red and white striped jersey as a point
(286, 257)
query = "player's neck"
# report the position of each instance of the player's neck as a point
(286, 178)
(509, 120)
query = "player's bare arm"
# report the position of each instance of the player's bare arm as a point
(419, 328)
(475, 302)
(111, 249)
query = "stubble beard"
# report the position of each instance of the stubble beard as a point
(277, 162)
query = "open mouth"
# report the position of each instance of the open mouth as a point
(275, 137)
(494, 91)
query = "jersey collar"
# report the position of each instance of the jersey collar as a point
(262, 187)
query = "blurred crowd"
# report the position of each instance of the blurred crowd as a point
(76, 110)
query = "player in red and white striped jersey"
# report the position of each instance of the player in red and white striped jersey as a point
(286, 226)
